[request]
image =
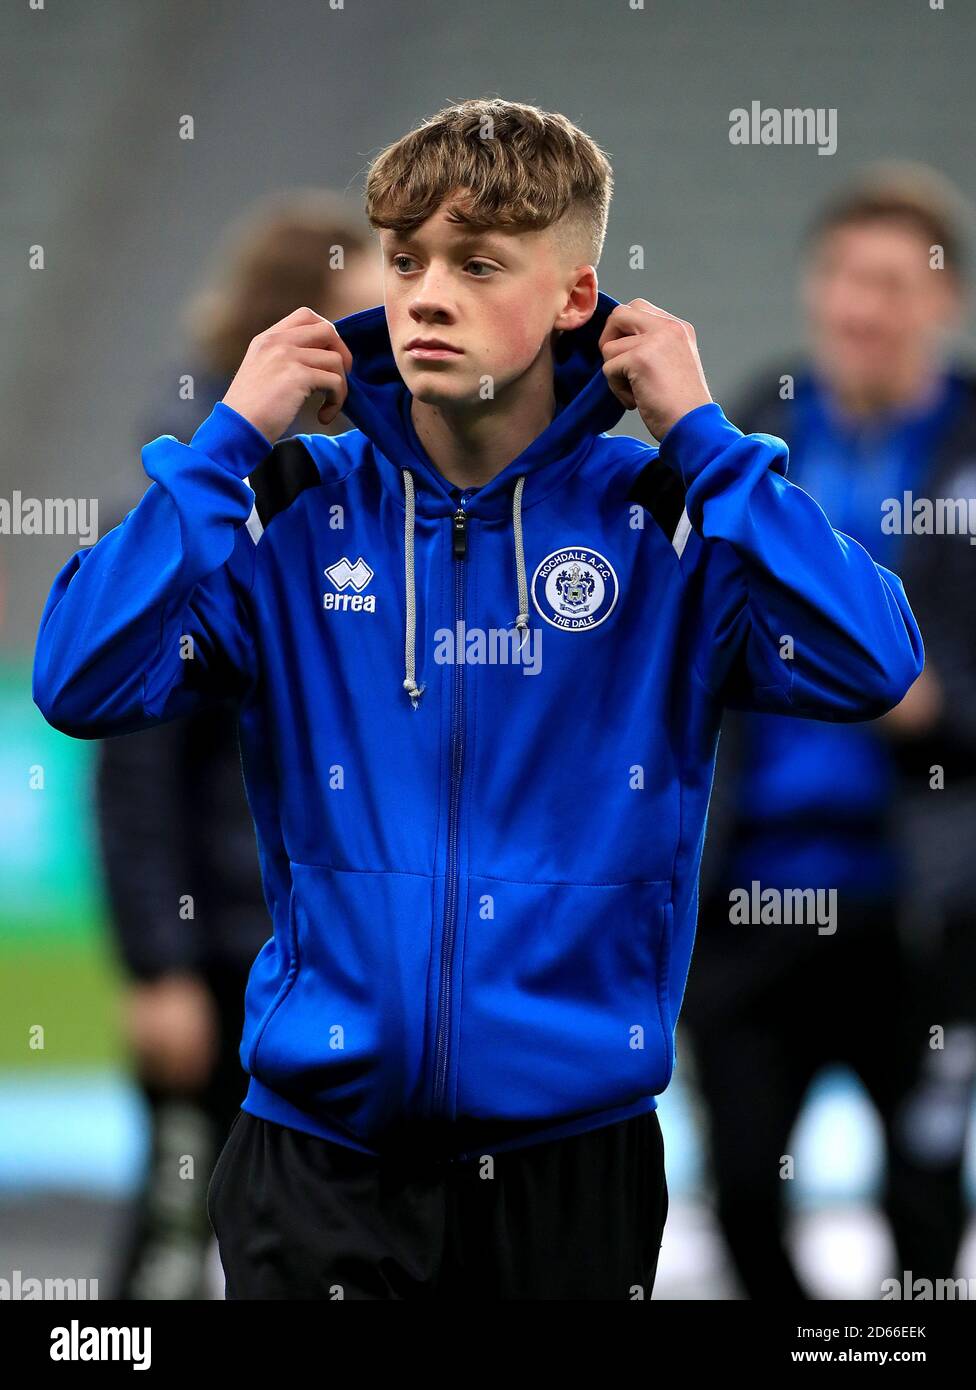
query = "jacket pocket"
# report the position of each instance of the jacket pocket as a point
(344, 1037)
(565, 1001)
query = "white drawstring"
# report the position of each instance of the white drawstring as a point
(410, 685)
(410, 637)
(522, 617)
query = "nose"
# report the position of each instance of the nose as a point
(426, 308)
(430, 301)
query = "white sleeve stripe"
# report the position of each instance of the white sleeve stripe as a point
(253, 523)
(682, 532)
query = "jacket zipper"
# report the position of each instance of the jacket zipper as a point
(459, 550)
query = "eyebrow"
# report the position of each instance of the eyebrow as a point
(467, 238)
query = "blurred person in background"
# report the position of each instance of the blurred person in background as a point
(881, 408)
(186, 903)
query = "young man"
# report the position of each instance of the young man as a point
(480, 649)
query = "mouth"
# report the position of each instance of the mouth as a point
(431, 349)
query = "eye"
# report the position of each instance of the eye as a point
(400, 257)
(490, 268)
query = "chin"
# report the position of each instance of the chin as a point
(858, 368)
(869, 377)
(425, 387)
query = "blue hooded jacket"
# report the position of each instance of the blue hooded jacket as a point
(478, 736)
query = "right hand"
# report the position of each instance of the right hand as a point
(283, 366)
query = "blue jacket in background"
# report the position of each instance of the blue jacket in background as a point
(481, 874)
(812, 800)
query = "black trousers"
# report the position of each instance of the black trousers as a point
(298, 1217)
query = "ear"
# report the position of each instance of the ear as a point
(581, 300)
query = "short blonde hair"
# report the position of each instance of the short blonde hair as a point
(506, 165)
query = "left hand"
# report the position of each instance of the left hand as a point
(651, 364)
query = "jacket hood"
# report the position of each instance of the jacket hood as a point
(378, 404)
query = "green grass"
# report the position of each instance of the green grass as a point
(70, 988)
(57, 965)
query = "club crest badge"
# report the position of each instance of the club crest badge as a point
(575, 588)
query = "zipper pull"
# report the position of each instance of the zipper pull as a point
(459, 534)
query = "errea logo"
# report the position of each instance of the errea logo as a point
(342, 575)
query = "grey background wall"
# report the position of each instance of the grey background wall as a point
(298, 92)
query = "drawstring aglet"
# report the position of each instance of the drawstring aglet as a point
(414, 691)
(522, 622)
